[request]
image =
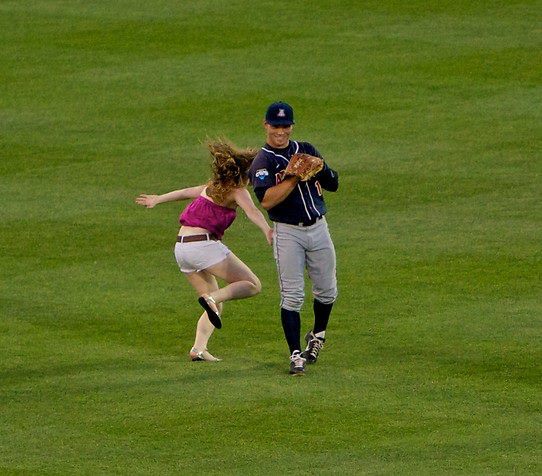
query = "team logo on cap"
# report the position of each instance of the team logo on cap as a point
(281, 113)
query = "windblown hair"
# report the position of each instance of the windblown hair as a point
(230, 168)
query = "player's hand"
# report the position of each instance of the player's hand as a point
(269, 235)
(148, 201)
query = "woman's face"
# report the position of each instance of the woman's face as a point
(278, 136)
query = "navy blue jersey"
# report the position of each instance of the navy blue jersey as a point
(305, 204)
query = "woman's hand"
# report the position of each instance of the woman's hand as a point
(269, 236)
(148, 201)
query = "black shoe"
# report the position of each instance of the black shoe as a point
(212, 315)
(297, 363)
(314, 346)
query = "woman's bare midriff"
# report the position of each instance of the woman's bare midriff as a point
(192, 230)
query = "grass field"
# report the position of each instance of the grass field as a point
(430, 111)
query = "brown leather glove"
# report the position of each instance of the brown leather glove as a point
(304, 166)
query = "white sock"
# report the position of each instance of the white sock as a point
(321, 335)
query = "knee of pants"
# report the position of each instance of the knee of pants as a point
(292, 301)
(327, 296)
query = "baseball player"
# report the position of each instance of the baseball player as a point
(302, 238)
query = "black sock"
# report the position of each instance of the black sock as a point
(321, 316)
(291, 323)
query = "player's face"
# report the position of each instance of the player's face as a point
(278, 136)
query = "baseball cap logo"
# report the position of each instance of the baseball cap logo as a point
(281, 113)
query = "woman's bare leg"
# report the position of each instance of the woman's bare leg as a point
(204, 284)
(242, 281)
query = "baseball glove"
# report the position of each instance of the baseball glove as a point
(304, 166)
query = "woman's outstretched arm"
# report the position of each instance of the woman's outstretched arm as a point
(150, 201)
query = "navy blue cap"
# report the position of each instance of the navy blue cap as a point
(279, 114)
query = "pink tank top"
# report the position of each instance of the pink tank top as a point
(206, 214)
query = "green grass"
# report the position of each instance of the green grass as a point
(429, 111)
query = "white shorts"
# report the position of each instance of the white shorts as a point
(198, 255)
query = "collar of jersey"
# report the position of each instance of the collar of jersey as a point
(283, 151)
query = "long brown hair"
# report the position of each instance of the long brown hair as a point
(230, 168)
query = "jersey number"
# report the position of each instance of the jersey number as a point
(279, 177)
(318, 188)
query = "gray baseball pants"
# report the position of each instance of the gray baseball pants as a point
(296, 248)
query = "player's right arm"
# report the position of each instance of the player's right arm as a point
(278, 193)
(151, 201)
(267, 187)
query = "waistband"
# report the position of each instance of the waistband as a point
(203, 237)
(304, 223)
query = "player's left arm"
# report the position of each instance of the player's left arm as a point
(328, 178)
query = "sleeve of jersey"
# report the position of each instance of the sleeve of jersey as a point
(328, 178)
(261, 177)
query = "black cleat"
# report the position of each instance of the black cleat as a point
(297, 363)
(314, 346)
